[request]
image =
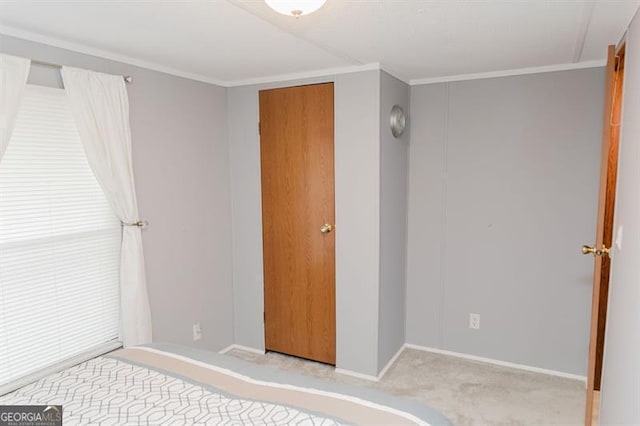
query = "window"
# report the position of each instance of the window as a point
(59, 245)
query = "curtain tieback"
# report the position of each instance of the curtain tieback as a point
(140, 223)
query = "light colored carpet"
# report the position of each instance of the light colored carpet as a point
(468, 392)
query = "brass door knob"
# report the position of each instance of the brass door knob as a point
(326, 228)
(595, 251)
(588, 249)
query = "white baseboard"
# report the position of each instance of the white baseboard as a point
(367, 376)
(498, 362)
(337, 370)
(242, 348)
(356, 374)
(391, 362)
(227, 349)
(386, 368)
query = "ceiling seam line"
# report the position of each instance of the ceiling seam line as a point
(339, 55)
(583, 30)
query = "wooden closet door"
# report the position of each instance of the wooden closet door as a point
(297, 160)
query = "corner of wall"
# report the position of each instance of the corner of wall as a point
(392, 223)
(231, 201)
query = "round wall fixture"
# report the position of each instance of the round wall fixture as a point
(398, 121)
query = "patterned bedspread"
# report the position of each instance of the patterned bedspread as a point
(111, 392)
(146, 385)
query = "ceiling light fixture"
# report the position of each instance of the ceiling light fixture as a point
(295, 8)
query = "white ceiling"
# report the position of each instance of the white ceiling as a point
(237, 41)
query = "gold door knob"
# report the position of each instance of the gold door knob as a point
(595, 251)
(588, 249)
(326, 228)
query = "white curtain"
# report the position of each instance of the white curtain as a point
(101, 108)
(14, 72)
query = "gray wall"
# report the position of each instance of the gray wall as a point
(394, 162)
(427, 185)
(503, 192)
(491, 228)
(357, 102)
(621, 374)
(357, 172)
(181, 167)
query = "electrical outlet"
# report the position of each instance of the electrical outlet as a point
(474, 321)
(197, 331)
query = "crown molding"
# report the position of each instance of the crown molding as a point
(326, 72)
(395, 75)
(509, 73)
(104, 54)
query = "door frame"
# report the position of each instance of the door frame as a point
(604, 232)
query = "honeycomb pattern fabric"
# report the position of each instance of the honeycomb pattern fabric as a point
(107, 391)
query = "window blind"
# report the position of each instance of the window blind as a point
(59, 244)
